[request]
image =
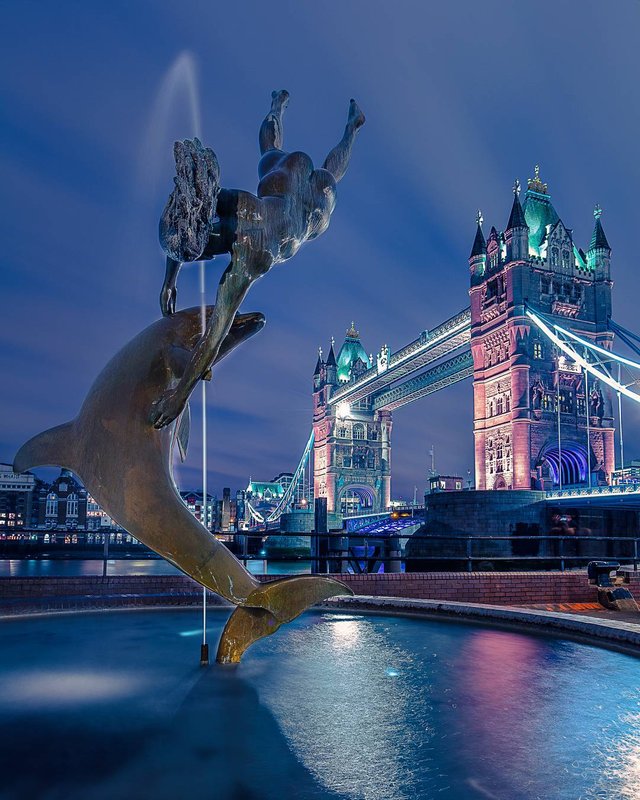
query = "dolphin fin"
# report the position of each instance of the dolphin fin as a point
(52, 448)
(183, 430)
(270, 605)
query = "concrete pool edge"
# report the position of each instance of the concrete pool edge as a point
(607, 633)
(601, 632)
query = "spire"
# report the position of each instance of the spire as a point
(479, 245)
(598, 239)
(316, 371)
(331, 358)
(516, 218)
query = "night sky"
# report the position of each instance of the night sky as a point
(461, 98)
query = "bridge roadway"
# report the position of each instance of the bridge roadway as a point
(430, 347)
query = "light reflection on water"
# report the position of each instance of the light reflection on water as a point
(369, 707)
(388, 709)
(71, 568)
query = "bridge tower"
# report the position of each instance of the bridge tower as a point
(352, 443)
(523, 439)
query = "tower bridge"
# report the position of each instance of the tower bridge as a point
(537, 340)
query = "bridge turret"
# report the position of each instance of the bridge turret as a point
(522, 390)
(478, 256)
(318, 371)
(599, 252)
(517, 233)
(332, 367)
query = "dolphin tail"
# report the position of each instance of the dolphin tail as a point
(51, 448)
(268, 606)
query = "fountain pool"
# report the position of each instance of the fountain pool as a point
(336, 705)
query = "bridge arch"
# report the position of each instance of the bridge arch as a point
(356, 498)
(569, 462)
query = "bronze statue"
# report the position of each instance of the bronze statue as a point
(127, 466)
(293, 205)
(121, 443)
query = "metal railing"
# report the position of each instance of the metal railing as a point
(361, 553)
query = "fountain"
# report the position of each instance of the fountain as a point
(121, 443)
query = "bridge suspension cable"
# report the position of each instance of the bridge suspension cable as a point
(287, 497)
(560, 336)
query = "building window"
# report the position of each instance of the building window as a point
(373, 434)
(499, 406)
(342, 432)
(51, 508)
(358, 431)
(581, 406)
(507, 403)
(554, 256)
(565, 259)
(537, 350)
(72, 505)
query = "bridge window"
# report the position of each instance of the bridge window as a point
(566, 401)
(546, 402)
(371, 460)
(499, 408)
(358, 431)
(490, 408)
(565, 259)
(373, 434)
(342, 432)
(507, 402)
(537, 350)
(581, 406)
(554, 256)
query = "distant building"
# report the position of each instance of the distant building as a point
(193, 501)
(445, 483)
(630, 473)
(63, 504)
(16, 499)
(264, 497)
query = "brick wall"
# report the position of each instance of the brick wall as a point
(498, 588)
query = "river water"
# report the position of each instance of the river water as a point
(73, 568)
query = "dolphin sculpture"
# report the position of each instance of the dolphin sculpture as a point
(126, 464)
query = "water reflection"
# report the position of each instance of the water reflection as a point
(51, 567)
(375, 708)
(390, 709)
(350, 725)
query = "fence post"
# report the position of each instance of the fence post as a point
(469, 554)
(561, 539)
(635, 555)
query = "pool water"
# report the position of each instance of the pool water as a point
(335, 705)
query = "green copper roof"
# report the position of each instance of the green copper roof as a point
(260, 488)
(349, 353)
(538, 213)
